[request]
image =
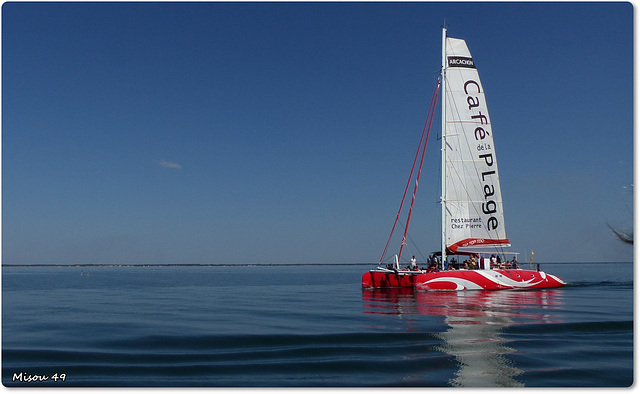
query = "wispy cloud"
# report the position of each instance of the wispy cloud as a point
(170, 164)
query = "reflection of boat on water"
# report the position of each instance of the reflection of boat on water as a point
(476, 321)
(533, 306)
(472, 219)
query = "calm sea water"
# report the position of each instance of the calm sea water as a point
(309, 326)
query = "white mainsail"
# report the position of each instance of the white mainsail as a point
(472, 200)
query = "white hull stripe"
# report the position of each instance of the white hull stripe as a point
(492, 276)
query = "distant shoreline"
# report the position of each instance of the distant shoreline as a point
(260, 264)
(185, 265)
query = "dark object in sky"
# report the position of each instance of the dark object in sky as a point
(624, 237)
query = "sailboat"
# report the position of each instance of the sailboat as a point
(471, 201)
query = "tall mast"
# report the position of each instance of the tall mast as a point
(444, 144)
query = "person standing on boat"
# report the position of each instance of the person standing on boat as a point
(414, 263)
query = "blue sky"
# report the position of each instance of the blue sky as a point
(284, 133)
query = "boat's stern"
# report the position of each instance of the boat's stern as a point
(382, 277)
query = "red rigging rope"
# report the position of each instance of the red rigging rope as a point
(415, 188)
(427, 129)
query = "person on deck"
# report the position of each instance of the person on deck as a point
(414, 263)
(473, 262)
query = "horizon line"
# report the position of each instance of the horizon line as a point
(253, 264)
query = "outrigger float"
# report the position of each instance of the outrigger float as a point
(471, 200)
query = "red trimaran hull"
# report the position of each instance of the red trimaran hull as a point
(499, 279)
